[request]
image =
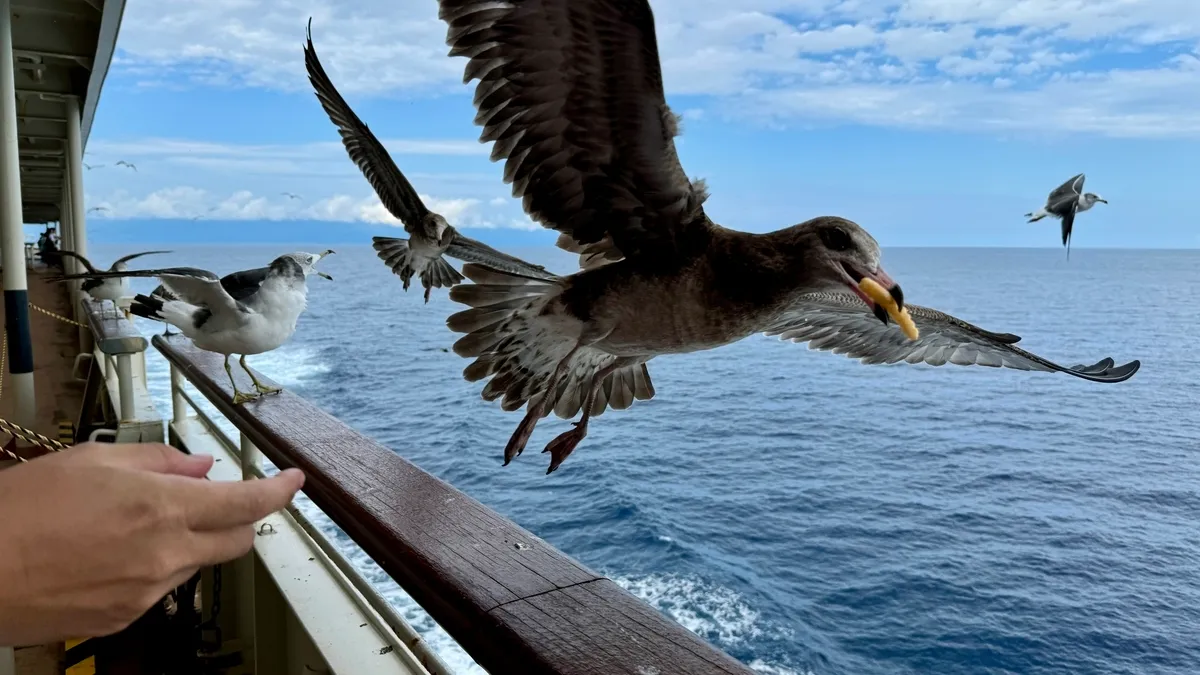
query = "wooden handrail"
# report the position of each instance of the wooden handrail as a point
(113, 333)
(516, 604)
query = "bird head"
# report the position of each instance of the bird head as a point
(434, 226)
(838, 254)
(306, 261)
(1093, 198)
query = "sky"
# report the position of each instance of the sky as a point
(929, 122)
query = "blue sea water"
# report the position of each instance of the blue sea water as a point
(809, 514)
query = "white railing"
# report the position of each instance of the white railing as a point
(296, 604)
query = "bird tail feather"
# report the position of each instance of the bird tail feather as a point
(398, 255)
(519, 353)
(174, 312)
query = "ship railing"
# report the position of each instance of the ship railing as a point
(514, 603)
(296, 603)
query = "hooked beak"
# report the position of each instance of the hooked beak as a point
(853, 276)
(324, 253)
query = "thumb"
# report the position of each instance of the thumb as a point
(154, 457)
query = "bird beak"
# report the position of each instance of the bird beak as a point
(880, 277)
(324, 253)
(1102, 200)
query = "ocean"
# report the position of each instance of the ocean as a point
(809, 514)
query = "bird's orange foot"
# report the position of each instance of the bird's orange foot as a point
(564, 444)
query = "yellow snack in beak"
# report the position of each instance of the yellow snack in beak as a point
(885, 300)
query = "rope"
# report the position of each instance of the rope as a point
(60, 317)
(16, 430)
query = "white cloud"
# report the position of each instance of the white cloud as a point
(793, 51)
(187, 202)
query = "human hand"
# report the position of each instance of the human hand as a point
(92, 537)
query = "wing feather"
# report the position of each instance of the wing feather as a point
(840, 322)
(570, 92)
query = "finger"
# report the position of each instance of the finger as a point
(218, 505)
(213, 547)
(154, 457)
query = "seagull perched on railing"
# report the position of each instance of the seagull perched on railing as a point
(571, 93)
(1064, 202)
(248, 312)
(100, 286)
(430, 236)
(163, 293)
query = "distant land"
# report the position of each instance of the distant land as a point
(144, 231)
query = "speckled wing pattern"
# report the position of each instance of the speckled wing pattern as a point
(839, 322)
(570, 92)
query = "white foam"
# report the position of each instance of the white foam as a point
(708, 610)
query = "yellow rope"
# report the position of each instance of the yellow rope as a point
(60, 317)
(16, 430)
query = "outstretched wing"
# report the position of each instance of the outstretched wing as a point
(1068, 222)
(571, 93)
(131, 256)
(394, 190)
(841, 323)
(191, 285)
(1068, 190)
(86, 263)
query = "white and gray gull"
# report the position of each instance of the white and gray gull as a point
(107, 288)
(1064, 202)
(248, 312)
(430, 235)
(571, 93)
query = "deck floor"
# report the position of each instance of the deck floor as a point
(55, 345)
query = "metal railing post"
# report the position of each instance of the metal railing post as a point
(125, 385)
(178, 403)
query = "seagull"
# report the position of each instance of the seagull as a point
(290, 195)
(124, 163)
(161, 292)
(106, 287)
(248, 312)
(430, 235)
(581, 120)
(89, 167)
(97, 208)
(1063, 203)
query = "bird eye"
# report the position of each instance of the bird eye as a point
(836, 239)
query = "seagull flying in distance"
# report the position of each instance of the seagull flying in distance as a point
(580, 118)
(430, 236)
(1064, 202)
(97, 208)
(290, 195)
(124, 163)
(89, 167)
(246, 313)
(101, 285)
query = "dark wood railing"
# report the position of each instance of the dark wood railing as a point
(516, 604)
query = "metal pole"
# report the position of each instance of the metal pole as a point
(178, 402)
(125, 385)
(74, 180)
(12, 234)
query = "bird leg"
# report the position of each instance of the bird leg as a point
(258, 386)
(533, 412)
(238, 397)
(565, 443)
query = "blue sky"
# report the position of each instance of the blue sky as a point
(929, 122)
